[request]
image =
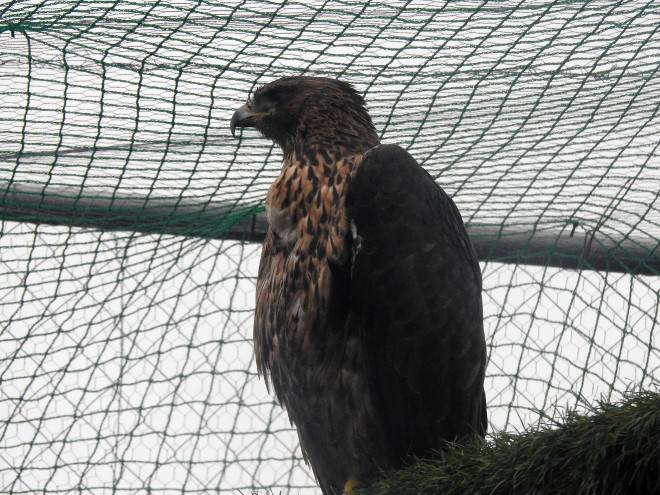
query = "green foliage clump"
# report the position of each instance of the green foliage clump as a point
(612, 449)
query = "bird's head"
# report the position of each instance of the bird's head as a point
(316, 111)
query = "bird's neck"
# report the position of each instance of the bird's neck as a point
(312, 170)
(315, 154)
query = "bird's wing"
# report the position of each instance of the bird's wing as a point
(416, 292)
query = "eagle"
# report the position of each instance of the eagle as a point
(369, 320)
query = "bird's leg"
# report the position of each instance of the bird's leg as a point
(350, 484)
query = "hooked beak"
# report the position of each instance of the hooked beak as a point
(243, 117)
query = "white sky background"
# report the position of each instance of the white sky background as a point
(137, 347)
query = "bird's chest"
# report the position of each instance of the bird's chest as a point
(296, 284)
(305, 207)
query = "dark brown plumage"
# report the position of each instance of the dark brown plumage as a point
(368, 314)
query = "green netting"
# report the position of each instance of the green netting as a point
(125, 357)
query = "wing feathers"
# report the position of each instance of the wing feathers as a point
(416, 290)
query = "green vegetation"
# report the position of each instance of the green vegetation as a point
(612, 449)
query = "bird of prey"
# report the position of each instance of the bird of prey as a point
(368, 317)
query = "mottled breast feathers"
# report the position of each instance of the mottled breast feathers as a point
(306, 240)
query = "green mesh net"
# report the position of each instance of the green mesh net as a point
(129, 216)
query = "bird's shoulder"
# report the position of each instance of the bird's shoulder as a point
(394, 199)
